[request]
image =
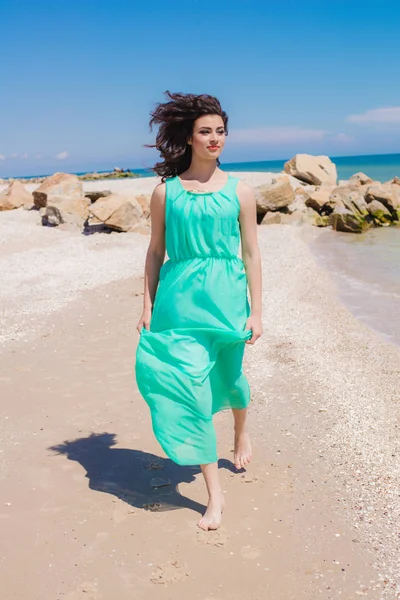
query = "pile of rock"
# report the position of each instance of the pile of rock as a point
(61, 202)
(308, 192)
(117, 173)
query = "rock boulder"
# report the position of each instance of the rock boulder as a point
(117, 212)
(343, 219)
(94, 196)
(315, 170)
(386, 193)
(272, 218)
(274, 196)
(65, 193)
(360, 179)
(15, 196)
(320, 197)
(350, 197)
(381, 214)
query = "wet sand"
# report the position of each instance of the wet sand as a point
(91, 509)
(367, 270)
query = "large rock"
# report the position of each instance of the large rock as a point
(96, 195)
(320, 197)
(120, 213)
(321, 221)
(350, 197)
(381, 214)
(394, 181)
(315, 170)
(15, 196)
(51, 216)
(294, 218)
(278, 194)
(298, 204)
(360, 179)
(65, 193)
(343, 219)
(386, 193)
(272, 218)
(144, 201)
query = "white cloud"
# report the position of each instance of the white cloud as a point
(38, 156)
(14, 155)
(25, 155)
(2, 157)
(62, 155)
(343, 137)
(276, 135)
(377, 115)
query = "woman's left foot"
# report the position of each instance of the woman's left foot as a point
(242, 450)
(212, 517)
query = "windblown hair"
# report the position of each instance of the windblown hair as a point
(176, 119)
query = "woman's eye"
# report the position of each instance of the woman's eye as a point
(208, 132)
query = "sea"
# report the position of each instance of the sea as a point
(380, 167)
(366, 266)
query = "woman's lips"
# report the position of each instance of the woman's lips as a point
(213, 147)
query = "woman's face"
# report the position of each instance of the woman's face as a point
(208, 138)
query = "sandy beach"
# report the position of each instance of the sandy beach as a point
(91, 508)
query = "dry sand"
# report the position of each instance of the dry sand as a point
(315, 516)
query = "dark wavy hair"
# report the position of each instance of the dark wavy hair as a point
(176, 120)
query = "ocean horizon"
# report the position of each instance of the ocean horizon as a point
(380, 167)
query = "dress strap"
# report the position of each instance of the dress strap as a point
(172, 186)
(230, 190)
(231, 184)
(172, 190)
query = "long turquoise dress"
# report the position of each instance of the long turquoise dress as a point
(189, 363)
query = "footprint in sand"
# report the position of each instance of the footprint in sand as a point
(87, 590)
(250, 552)
(248, 479)
(169, 572)
(217, 538)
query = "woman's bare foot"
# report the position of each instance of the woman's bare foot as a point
(212, 517)
(242, 450)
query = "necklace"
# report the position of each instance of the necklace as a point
(199, 191)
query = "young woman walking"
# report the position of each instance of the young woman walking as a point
(196, 315)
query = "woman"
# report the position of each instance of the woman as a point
(196, 315)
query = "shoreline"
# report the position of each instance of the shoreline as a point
(323, 420)
(387, 164)
(365, 271)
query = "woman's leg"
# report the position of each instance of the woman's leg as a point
(242, 448)
(212, 517)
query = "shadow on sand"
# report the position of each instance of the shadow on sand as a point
(138, 478)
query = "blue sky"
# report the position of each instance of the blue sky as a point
(79, 77)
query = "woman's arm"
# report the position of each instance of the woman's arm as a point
(155, 254)
(251, 256)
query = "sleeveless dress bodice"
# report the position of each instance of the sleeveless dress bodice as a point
(202, 225)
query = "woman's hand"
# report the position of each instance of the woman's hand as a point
(254, 323)
(144, 320)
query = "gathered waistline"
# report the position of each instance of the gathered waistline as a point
(204, 257)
